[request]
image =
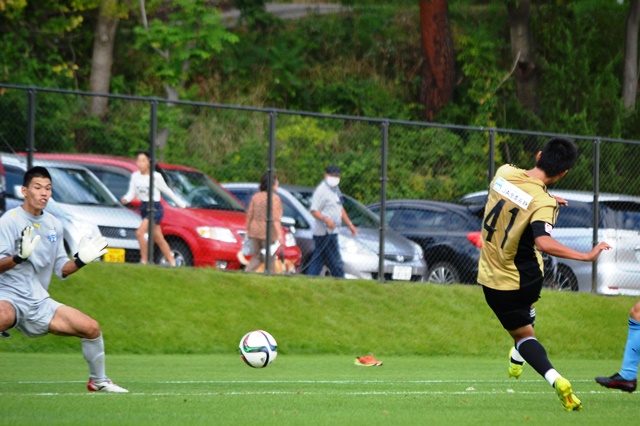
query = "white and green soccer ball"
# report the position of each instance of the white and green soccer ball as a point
(258, 348)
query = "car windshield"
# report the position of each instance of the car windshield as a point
(304, 196)
(118, 183)
(199, 191)
(359, 214)
(77, 186)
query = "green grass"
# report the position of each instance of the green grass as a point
(172, 334)
(302, 390)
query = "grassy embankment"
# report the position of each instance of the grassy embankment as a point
(153, 310)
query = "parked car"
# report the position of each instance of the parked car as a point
(618, 224)
(209, 232)
(403, 259)
(82, 203)
(448, 233)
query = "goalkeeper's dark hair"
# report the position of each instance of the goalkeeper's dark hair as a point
(35, 172)
(558, 155)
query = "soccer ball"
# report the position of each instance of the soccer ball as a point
(258, 348)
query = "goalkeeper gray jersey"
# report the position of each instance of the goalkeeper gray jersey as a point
(30, 279)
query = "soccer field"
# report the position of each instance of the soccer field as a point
(302, 390)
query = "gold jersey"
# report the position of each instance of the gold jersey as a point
(518, 210)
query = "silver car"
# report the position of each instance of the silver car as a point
(618, 269)
(83, 204)
(404, 259)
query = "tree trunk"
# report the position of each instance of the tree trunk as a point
(438, 68)
(523, 54)
(630, 72)
(102, 60)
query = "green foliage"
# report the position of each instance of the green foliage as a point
(36, 41)
(575, 56)
(254, 14)
(363, 62)
(427, 163)
(193, 31)
(482, 55)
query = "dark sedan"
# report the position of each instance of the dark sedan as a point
(448, 233)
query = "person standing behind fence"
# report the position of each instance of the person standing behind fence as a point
(326, 208)
(139, 187)
(257, 223)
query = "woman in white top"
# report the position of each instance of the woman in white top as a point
(139, 187)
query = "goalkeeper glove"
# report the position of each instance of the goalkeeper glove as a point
(26, 244)
(89, 249)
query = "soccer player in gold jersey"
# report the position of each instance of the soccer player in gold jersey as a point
(518, 219)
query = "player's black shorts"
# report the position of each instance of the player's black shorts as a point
(513, 307)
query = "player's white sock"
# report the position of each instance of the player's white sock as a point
(551, 376)
(93, 351)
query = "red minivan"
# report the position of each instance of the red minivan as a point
(209, 232)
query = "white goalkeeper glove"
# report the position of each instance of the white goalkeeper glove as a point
(26, 244)
(89, 249)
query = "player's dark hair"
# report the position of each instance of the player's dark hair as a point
(558, 155)
(35, 172)
(264, 181)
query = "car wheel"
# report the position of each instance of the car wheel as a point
(180, 251)
(565, 280)
(443, 273)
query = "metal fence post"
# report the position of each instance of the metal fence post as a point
(152, 154)
(270, 170)
(596, 211)
(492, 155)
(31, 127)
(383, 196)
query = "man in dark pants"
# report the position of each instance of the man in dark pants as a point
(326, 208)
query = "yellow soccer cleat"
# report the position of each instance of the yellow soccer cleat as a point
(570, 401)
(515, 370)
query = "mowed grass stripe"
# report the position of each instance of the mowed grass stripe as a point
(300, 390)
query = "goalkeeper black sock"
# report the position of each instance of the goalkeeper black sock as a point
(534, 353)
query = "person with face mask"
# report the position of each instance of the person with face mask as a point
(327, 209)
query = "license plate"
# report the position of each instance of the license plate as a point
(402, 273)
(114, 255)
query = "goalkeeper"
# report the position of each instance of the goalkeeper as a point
(31, 250)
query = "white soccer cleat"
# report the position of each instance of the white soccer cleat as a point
(105, 387)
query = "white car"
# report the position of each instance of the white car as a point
(618, 269)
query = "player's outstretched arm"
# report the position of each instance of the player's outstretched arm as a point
(550, 246)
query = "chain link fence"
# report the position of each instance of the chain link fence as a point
(414, 191)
